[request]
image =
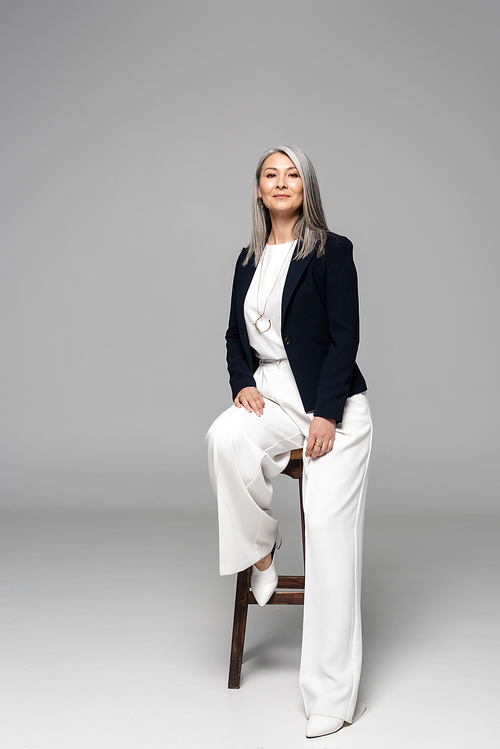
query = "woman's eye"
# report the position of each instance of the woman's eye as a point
(270, 174)
(293, 174)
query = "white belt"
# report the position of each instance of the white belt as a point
(272, 361)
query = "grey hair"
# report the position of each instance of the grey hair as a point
(310, 228)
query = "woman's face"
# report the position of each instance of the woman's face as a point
(280, 186)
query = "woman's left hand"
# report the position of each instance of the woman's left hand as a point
(321, 437)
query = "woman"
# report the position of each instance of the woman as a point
(291, 350)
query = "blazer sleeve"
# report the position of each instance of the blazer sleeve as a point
(341, 295)
(240, 372)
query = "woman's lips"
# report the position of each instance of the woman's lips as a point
(281, 196)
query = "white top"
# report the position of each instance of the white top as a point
(272, 269)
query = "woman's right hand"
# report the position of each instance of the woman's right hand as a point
(251, 399)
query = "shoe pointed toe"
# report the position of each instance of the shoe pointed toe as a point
(264, 582)
(322, 725)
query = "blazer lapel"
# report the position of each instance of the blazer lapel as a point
(295, 272)
(246, 273)
(245, 279)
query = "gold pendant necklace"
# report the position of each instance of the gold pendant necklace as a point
(256, 323)
(261, 314)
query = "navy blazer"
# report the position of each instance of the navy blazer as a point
(319, 327)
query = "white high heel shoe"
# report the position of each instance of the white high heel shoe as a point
(323, 725)
(264, 582)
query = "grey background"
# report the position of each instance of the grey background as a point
(130, 132)
(129, 135)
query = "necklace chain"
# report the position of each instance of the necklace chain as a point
(261, 314)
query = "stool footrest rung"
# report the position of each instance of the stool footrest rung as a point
(295, 582)
(290, 590)
(283, 598)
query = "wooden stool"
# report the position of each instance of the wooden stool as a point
(293, 585)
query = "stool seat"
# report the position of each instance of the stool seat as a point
(289, 591)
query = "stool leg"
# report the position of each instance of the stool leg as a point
(239, 627)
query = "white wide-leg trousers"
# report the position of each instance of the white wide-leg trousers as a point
(245, 451)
